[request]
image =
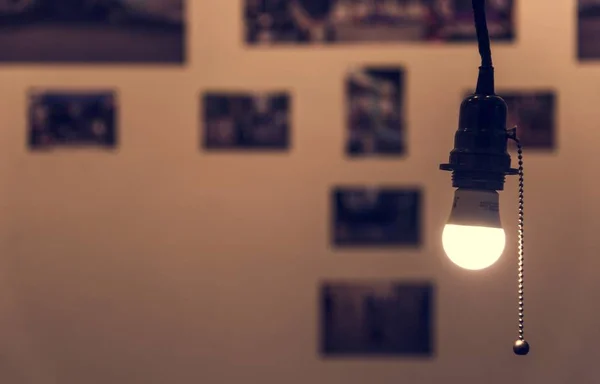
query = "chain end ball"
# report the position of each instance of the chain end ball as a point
(521, 347)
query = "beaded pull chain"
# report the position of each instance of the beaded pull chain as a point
(521, 346)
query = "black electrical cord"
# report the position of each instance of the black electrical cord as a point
(485, 80)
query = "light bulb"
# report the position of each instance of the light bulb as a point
(473, 238)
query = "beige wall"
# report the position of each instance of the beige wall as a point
(163, 264)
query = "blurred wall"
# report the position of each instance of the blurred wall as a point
(164, 264)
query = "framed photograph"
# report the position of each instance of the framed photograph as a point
(92, 31)
(533, 112)
(246, 121)
(59, 118)
(376, 217)
(275, 22)
(588, 30)
(375, 112)
(534, 115)
(456, 20)
(377, 318)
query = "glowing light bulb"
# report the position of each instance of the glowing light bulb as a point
(473, 238)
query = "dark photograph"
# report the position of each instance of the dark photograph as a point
(376, 217)
(92, 31)
(377, 319)
(272, 22)
(588, 29)
(375, 113)
(533, 113)
(246, 121)
(72, 119)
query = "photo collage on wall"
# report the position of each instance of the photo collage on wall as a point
(379, 318)
(357, 317)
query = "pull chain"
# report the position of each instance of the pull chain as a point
(521, 347)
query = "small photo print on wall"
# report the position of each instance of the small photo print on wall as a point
(377, 318)
(273, 22)
(72, 119)
(452, 20)
(588, 29)
(375, 113)
(534, 115)
(246, 121)
(376, 217)
(97, 31)
(533, 112)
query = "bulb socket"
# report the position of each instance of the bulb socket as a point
(480, 158)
